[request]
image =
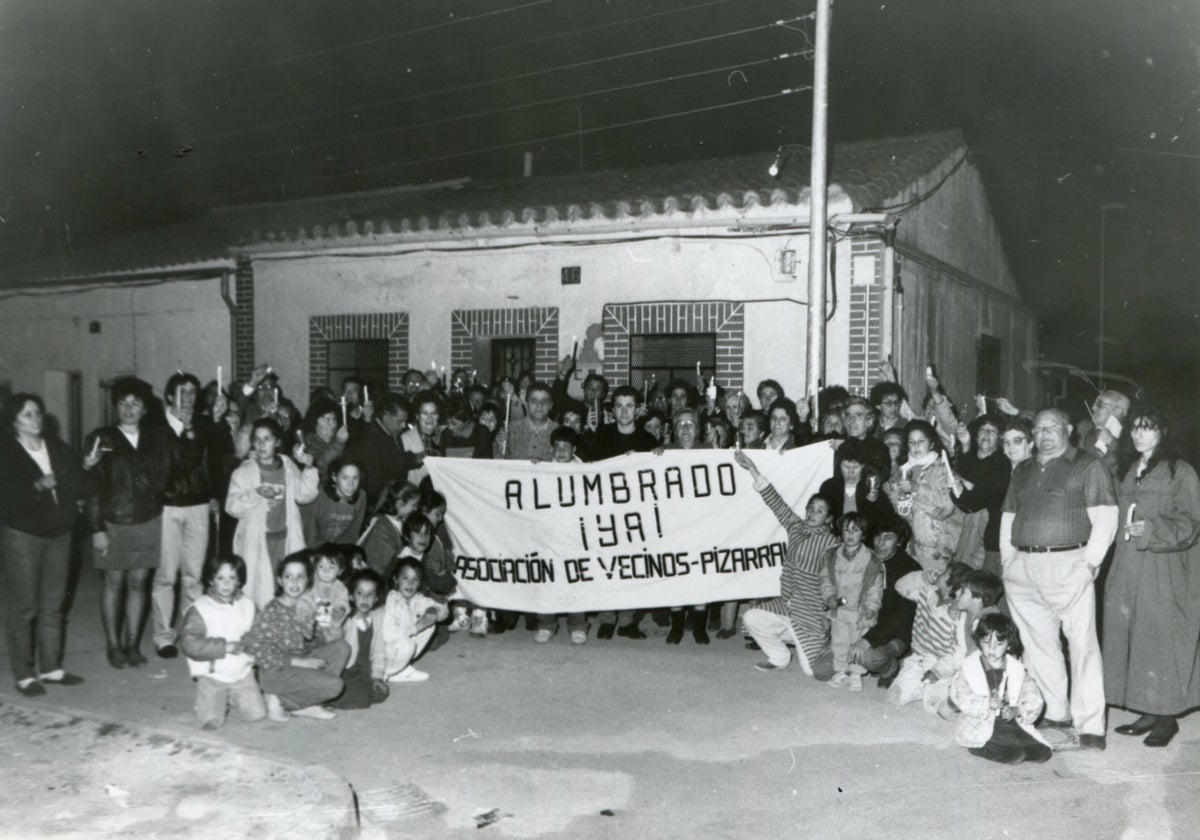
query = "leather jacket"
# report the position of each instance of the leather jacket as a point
(129, 482)
(188, 480)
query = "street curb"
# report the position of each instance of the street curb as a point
(330, 806)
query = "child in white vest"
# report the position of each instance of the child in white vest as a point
(212, 642)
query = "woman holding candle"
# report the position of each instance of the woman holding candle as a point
(326, 433)
(922, 495)
(1152, 595)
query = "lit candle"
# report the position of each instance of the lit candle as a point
(366, 394)
(507, 408)
(343, 409)
(275, 395)
(220, 381)
(96, 446)
(474, 376)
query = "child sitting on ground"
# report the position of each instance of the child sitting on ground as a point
(361, 690)
(998, 699)
(407, 627)
(795, 616)
(977, 596)
(852, 592)
(211, 639)
(327, 601)
(926, 672)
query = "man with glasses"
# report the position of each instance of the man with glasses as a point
(859, 417)
(1108, 415)
(528, 438)
(1058, 520)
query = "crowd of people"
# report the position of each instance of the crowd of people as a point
(300, 563)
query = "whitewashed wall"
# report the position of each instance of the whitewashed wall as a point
(149, 331)
(430, 286)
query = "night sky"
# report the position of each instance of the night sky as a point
(125, 114)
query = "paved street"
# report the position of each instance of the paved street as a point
(626, 739)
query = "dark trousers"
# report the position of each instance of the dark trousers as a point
(1010, 744)
(36, 569)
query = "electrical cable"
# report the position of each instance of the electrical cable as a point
(478, 114)
(537, 140)
(515, 77)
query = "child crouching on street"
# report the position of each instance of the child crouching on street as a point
(408, 621)
(211, 639)
(998, 700)
(362, 691)
(937, 647)
(852, 591)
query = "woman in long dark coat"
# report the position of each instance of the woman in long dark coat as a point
(1152, 596)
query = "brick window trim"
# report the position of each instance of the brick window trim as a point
(725, 319)
(537, 322)
(322, 329)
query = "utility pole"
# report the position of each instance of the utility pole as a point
(1104, 208)
(818, 209)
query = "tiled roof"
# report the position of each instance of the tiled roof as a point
(863, 175)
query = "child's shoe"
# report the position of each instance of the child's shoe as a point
(543, 635)
(479, 625)
(840, 680)
(315, 712)
(460, 620)
(855, 682)
(409, 674)
(275, 710)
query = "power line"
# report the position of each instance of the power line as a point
(276, 62)
(502, 80)
(511, 108)
(530, 141)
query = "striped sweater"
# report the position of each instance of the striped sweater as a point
(800, 577)
(934, 630)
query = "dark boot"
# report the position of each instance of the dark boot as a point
(678, 619)
(699, 630)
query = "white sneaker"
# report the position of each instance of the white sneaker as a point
(409, 674)
(579, 637)
(479, 625)
(315, 712)
(543, 635)
(275, 710)
(856, 682)
(839, 680)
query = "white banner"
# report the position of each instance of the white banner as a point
(641, 530)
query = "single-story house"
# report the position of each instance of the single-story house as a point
(649, 271)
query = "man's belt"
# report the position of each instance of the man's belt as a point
(1049, 549)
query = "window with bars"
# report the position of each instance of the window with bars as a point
(366, 359)
(667, 357)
